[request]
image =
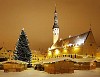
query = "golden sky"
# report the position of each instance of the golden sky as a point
(36, 16)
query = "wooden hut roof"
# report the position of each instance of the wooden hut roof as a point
(85, 60)
(14, 61)
(51, 60)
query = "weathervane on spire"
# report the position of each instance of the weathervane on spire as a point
(90, 27)
(55, 9)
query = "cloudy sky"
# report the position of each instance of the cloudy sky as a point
(36, 16)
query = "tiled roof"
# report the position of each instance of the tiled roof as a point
(85, 60)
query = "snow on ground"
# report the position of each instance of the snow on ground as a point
(34, 73)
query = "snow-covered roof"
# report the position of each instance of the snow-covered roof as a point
(15, 61)
(85, 60)
(57, 59)
(51, 60)
(78, 38)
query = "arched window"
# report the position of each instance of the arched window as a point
(68, 55)
(71, 56)
(75, 55)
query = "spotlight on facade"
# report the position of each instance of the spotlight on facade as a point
(57, 52)
(76, 49)
(49, 53)
(65, 50)
(80, 42)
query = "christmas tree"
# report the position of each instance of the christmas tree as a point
(22, 50)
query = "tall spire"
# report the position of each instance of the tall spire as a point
(55, 19)
(55, 27)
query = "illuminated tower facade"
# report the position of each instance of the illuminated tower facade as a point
(55, 28)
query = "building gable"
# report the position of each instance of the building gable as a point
(90, 45)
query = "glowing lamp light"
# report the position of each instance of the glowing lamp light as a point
(49, 53)
(65, 51)
(48, 48)
(57, 52)
(76, 49)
